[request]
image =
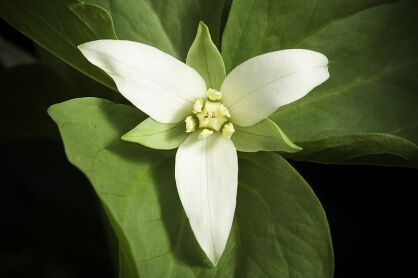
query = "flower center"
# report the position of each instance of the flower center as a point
(210, 116)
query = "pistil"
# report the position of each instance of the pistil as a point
(210, 116)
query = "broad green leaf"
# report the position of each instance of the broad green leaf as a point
(168, 25)
(380, 149)
(95, 18)
(155, 135)
(60, 26)
(264, 136)
(205, 58)
(280, 229)
(371, 45)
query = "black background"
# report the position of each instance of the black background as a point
(52, 224)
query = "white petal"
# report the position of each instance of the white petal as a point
(155, 82)
(257, 87)
(207, 179)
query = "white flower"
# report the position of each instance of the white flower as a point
(169, 91)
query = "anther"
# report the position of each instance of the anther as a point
(228, 130)
(198, 105)
(225, 111)
(190, 124)
(214, 95)
(205, 133)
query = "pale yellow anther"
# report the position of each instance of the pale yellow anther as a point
(205, 133)
(224, 111)
(228, 130)
(198, 105)
(214, 95)
(190, 124)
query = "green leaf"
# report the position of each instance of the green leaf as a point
(280, 229)
(205, 58)
(263, 136)
(95, 18)
(376, 148)
(60, 26)
(155, 135)
(371, 46)
(167, 25)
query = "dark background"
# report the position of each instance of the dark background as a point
(52, 224)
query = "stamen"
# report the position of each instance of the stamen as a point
(198, 105)
(205, 133)
(228, 130)
(214, 95)
(190, 124)
(225, 111)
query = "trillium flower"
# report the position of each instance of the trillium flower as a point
(179, 102)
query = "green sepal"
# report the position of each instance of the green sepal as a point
(263, 136)
(205, 58)
(155, 135)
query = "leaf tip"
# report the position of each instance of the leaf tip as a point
(293, 148)
(51, 110)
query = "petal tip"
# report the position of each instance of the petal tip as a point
(88, 45)
(83, 46)
(214, 261)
